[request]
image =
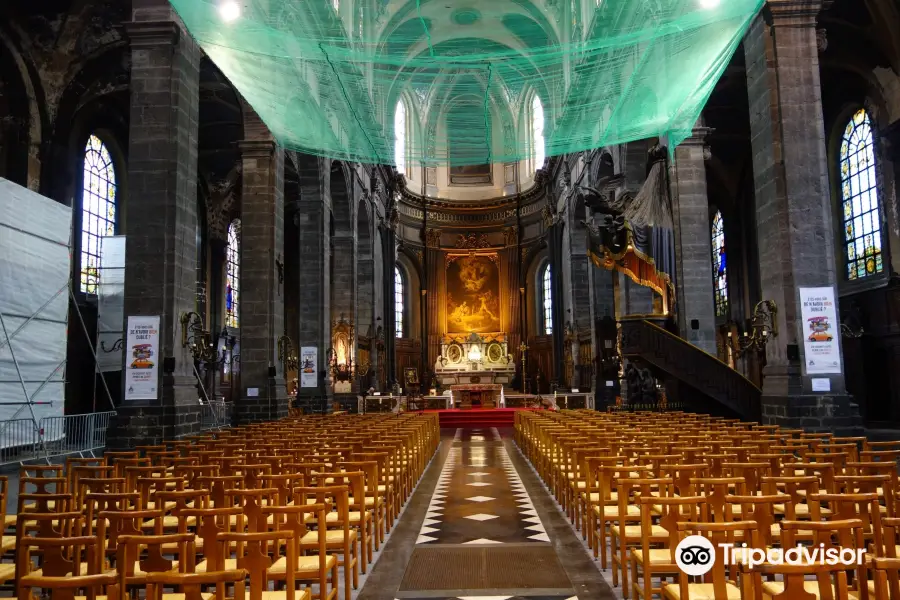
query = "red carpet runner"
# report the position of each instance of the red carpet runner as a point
(477, 418)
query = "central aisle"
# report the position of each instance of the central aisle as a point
(480, 526)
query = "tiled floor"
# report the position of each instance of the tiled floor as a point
(480, 499)
(480, 493)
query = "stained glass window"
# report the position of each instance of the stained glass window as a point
(859, 199)
(537, 132)
(400, 137)
(720, 270)
(98, 210)
(547, 299)
(398, 303)
(233, 275)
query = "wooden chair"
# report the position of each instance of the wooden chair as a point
(721, 583)
(67, 564)
(886, 572)
(827, 535)
(318, 568)
(189, 586)
(339, 536)
(647, 562)
(255, 553)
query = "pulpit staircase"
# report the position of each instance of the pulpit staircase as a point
(699, 380)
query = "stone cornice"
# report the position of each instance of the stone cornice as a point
(152, 33)
(698, 136)
(796, 12)
(256, 148)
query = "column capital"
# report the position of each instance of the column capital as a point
(698, 136)
(257, 148)
(152, 33)
(796, 12)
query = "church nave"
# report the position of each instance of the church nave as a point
(481, 526)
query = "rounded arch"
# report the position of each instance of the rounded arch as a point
(859, 197)
(96, 98)
(233, 275)
(26, 103)
(340, 199)
(720, 264)
(537, 260)
(410, 276)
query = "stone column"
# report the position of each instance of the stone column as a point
(554, 242)
(389, 254)
(693, 247)
(263, 395)
(314, 293)
(794, 217)
(161, 229)
(512, 311)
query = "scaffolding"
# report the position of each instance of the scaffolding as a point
(35, 295)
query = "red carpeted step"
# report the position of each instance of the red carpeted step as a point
(477, 418)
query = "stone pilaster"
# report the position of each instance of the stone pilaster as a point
(794, 218)
(160, 274)
(693, 248)
(433, 300)
(262, 395)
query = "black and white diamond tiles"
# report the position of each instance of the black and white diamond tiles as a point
(479, 498)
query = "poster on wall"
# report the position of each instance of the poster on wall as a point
(142, 358)
(821, 339)
(473, 294)
(308, 372)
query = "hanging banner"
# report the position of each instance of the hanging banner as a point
(309, 377)
(821, 339)
(142, 359)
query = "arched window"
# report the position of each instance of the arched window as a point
(859, 197)
(537, 132)
(547, 300)
(233, 275)
(720, 271)
(398, 303)
(400, 137)
(98, 210)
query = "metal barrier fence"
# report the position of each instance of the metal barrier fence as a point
(20, 441)
(215, 415)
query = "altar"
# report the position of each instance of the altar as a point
(476, 396)
(471, 360)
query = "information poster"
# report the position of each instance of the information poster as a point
(821, 338)
(142, 358)
(309, 377)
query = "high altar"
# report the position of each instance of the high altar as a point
(475, 367)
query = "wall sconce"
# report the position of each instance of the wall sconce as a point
(287, 354)
(763, 326)
(196, 338)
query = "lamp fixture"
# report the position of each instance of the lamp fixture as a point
(229, 11)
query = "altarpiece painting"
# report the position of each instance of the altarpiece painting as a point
(473, 293)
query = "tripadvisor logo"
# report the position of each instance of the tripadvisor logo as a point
(695, 555)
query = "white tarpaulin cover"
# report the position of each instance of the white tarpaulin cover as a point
(35, 274)
(111, 303)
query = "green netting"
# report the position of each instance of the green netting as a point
(326, 75)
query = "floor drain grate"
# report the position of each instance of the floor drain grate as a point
(489, 568)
